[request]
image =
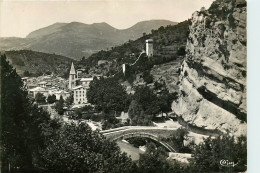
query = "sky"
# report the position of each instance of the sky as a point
(19, 18)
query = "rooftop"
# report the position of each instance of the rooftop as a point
(86, 79)
(43, 82)
(37, 89)
(149, 40)
(77, 87)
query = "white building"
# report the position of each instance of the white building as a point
(149, 47)
(49, 91)
(80, 94)
(85, 81)
(36, 90)
(42, 84)
(60, 93)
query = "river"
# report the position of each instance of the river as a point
(129, 149)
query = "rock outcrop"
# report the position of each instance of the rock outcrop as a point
(213, 74)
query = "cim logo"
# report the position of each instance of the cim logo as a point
(227, 163)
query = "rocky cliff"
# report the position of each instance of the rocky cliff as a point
(213, 74)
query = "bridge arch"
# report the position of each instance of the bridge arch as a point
(145, 135)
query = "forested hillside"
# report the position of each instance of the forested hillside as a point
(37, 63)
(169, 44)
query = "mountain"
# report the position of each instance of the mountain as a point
(213, 75)
(78, 39)
(37, 63)
(45, 31)
(146, 27)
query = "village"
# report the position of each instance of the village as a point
(46, 90)
(75, 85)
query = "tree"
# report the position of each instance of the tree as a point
(177, 140)
(108, 95)
(21, 123)
(165, 98)
(110, 121)
(26, 73)
(148, 78)
(143, 107)
(69, 100)
(40, 98)
(76, 148)
(51, 99)
(181, 51)
(145, 97)
(154, 161)
(137, 115)
(48, 72)
(78, 113)
(59, 106)
(207, 155)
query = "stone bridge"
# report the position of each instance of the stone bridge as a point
(154, 133)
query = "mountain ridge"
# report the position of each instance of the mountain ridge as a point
(77, 39)
(61, 24)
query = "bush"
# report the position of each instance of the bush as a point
(181, 51)
(40, 98)
(51, 99)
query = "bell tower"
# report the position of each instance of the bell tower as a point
(72, 77)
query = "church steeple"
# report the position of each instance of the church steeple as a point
(72, 69)
(72, 77)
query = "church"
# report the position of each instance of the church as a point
(78, 85)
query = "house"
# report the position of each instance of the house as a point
(85, 81)
(42, 84)
(80, 94)
(60, 93)
(36, 90)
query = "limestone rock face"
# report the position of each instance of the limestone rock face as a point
(213, 74)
